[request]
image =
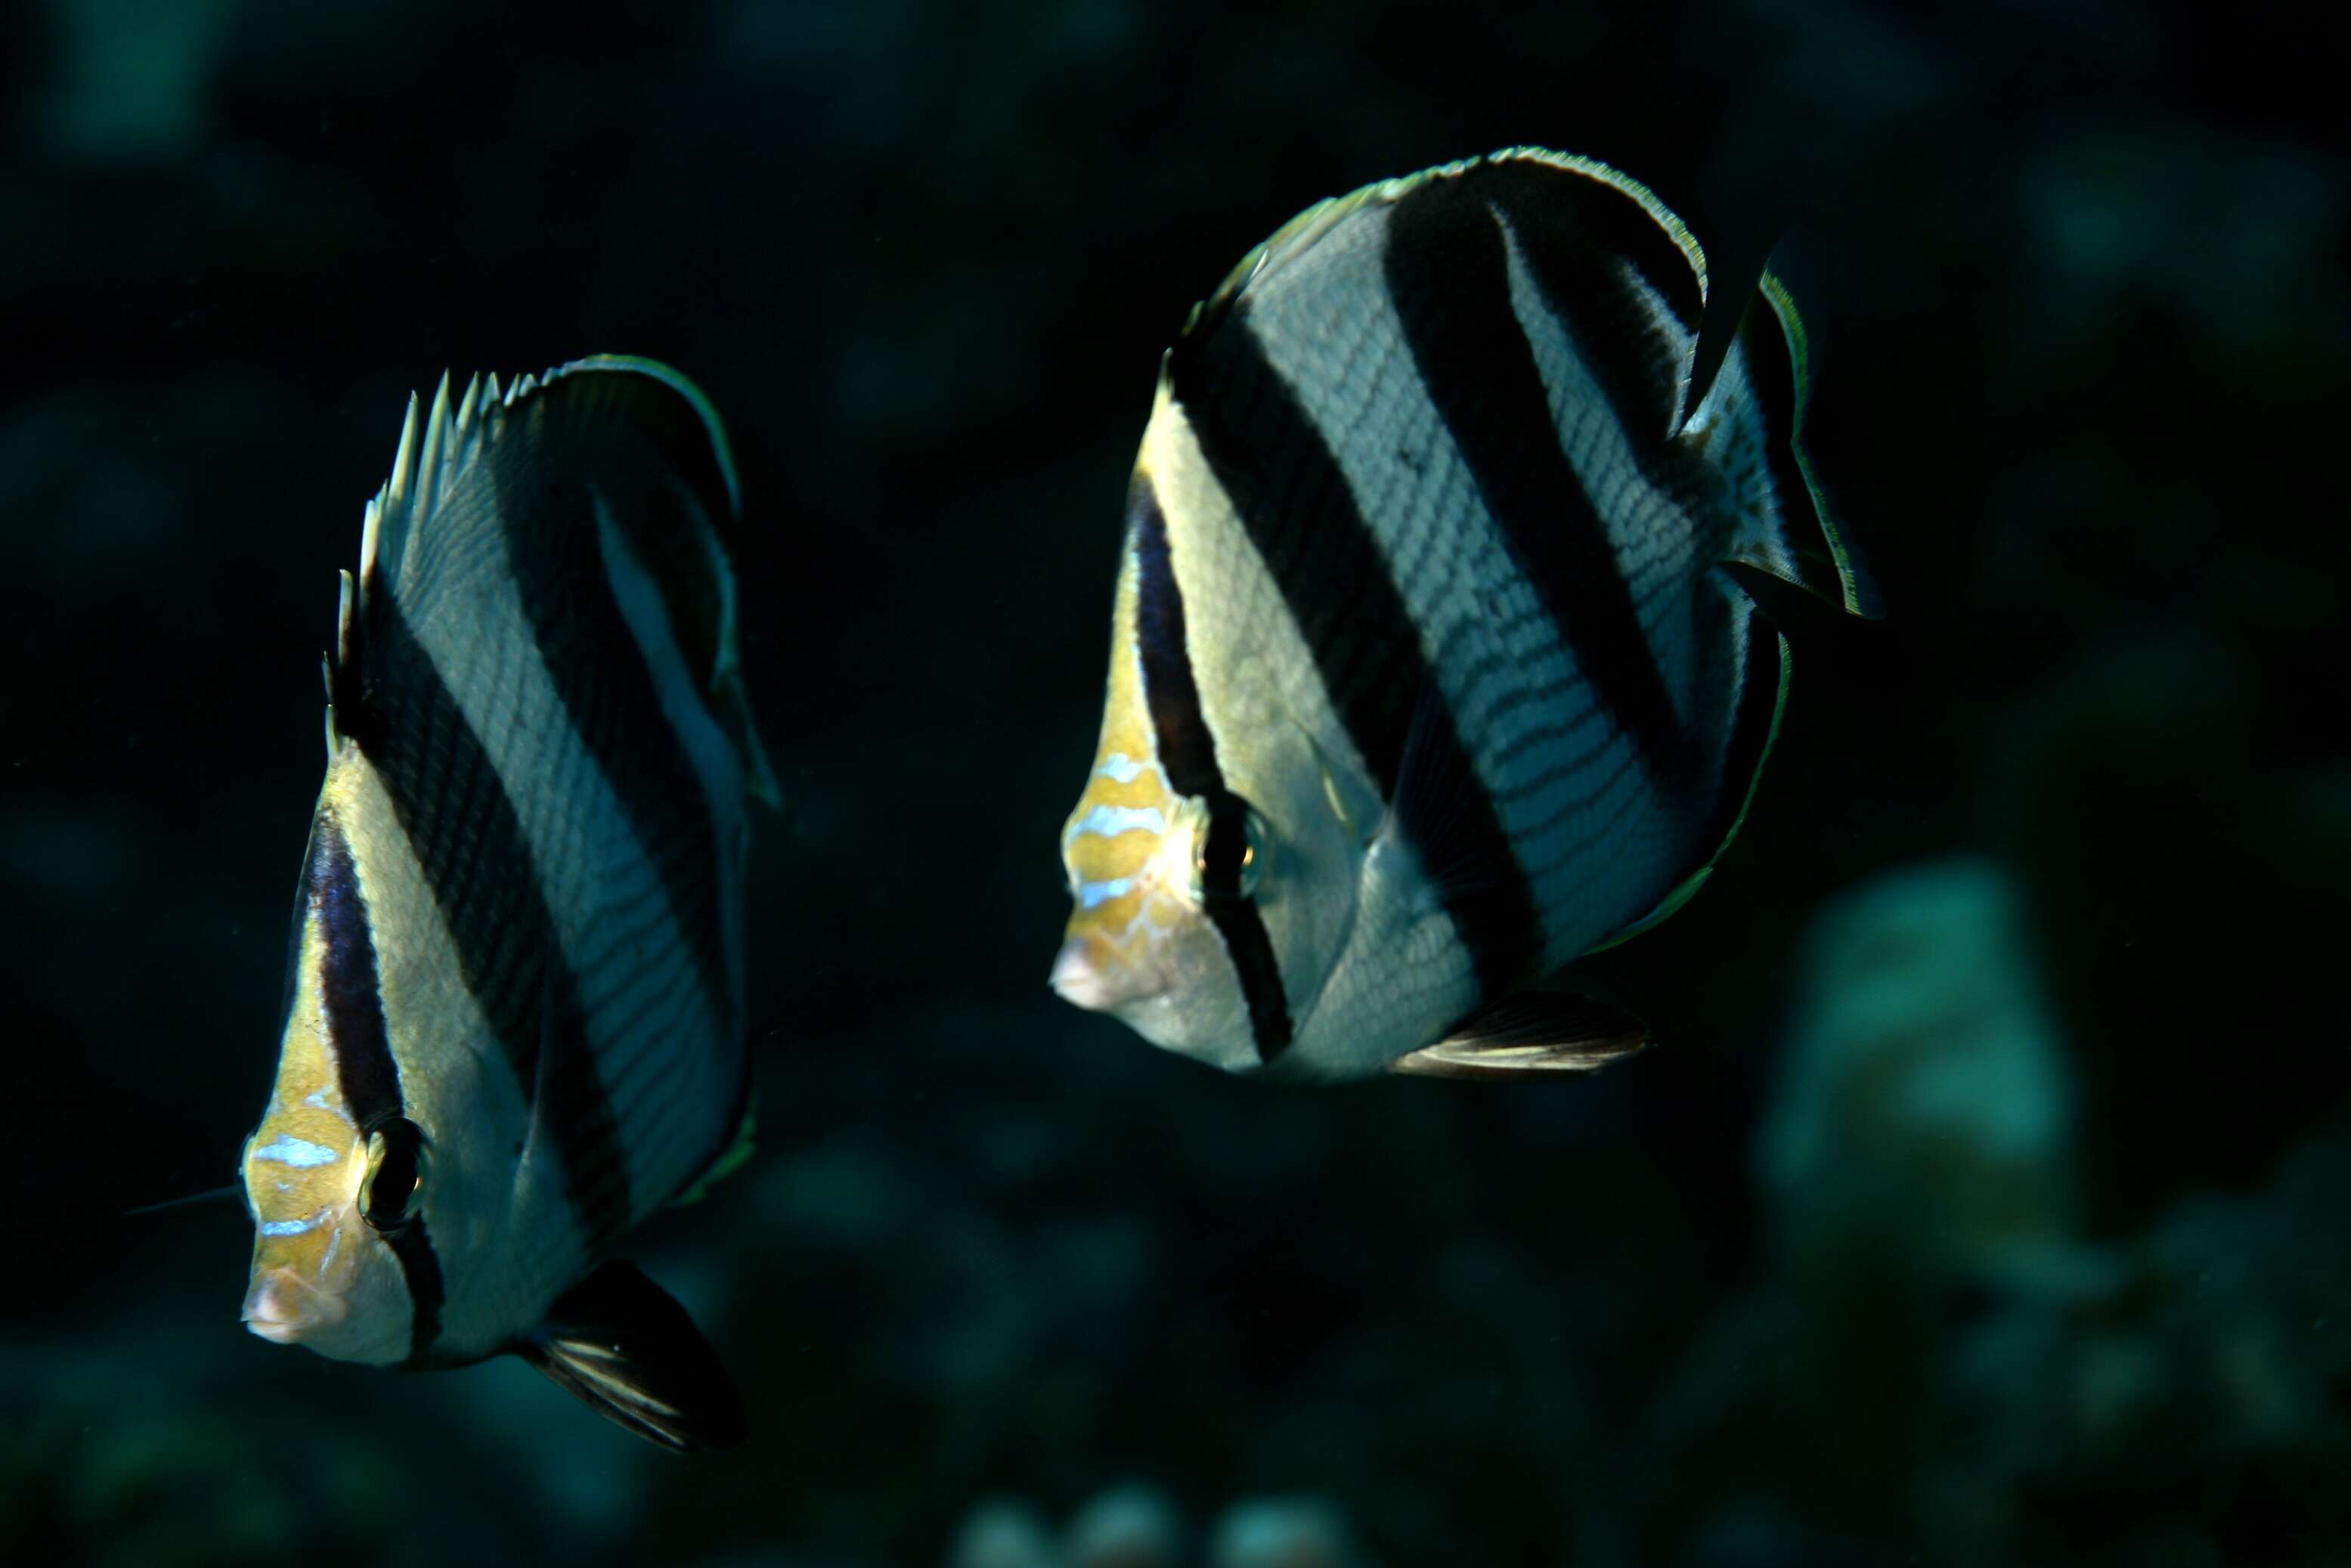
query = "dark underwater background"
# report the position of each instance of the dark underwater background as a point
(1989, 1200)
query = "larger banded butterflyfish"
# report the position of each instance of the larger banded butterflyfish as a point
(514, 1013)
(1431, 666)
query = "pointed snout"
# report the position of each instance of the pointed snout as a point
(284, 1308)
(1100, 978)
(1077, 979)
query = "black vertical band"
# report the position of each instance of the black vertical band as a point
(1592, 248)
(361, 1048)
(1447, 275)
(1188, 754)
(1286, 487)
(364, 1070)
(608, 690)
(463, 828)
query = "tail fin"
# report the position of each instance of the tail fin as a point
(1786, 529)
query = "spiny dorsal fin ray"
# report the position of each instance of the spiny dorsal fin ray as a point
(341, 666)
(623, 1346)
(591, 417)
(1530, 1033)
(438, 436)
(437, 453)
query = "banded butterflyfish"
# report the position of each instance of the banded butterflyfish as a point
(1431, 665)
(514, 1014)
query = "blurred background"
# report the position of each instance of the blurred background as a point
(1987, 1202)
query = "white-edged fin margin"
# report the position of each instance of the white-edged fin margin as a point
(685, 705)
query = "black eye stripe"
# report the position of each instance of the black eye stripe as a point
(364, 1068)
(1188, 753)
(1225, 847)
(390, 1200)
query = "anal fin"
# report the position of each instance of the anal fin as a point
(1532, 1034)
(624, 1347)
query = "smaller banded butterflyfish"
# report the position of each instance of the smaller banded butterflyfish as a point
(1432, 666)
(514, 1015)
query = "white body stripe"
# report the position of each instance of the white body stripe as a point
(1655, 539)
(510, 1244)
(1400, 967)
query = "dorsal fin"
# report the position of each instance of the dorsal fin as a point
(1747, 364)
(436, 450)
(441, 447)
(1301, 234)
(1760, 391)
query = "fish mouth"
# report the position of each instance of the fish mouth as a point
(284, 1308)
(1080, 978)
(1076, 978)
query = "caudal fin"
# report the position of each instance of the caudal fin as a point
(1750, 423)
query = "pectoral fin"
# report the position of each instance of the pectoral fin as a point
(622, 1345)
(1529, 1034)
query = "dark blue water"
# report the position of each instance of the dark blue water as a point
(1985, 1204)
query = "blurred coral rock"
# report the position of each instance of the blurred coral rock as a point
(1124, 1527)
(1282, 1532)
(1926, 1108)
(1004, 1534)
(1134, 1526)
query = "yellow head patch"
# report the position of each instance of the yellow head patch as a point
(1124, 846)
(303, 1167)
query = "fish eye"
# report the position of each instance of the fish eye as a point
(395, 1173)
(1228, 850)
